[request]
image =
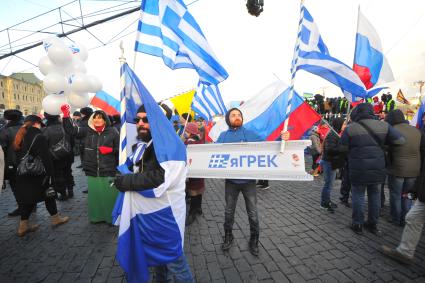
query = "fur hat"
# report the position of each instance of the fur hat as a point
(12, 114)
(86, 111)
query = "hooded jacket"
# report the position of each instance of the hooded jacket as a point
(235, 135)
(94, 163)
(406, 158)
(365, 157)
(239, 134)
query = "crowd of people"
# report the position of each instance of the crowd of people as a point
(367, 149)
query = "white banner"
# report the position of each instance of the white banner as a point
(253, 160)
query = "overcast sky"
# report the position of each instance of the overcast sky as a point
(254, 51)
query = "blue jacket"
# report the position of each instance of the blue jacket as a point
(238, 135)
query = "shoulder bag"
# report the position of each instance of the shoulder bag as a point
(30, 165)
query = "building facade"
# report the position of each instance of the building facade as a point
(23, 91)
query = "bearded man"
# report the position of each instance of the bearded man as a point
(235, 134)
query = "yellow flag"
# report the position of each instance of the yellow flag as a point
(182, 102)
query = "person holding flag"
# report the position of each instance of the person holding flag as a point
(148, 175)
(237, 133)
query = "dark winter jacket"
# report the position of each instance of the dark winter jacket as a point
(406, 158)
(7, 136)
(31, 189)
(366, 158)
(94, 163)
(331, 151)
(150, 174)
(54, 133)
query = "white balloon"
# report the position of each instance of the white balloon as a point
(79, 51)
(49, 41)
(55, 83)
(46, 66)
(78, 100)
(95, 84)
(76, 66)
(80, 83)
(60, 55)
(52, 103)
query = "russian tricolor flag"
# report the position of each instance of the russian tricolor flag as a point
(265, 114)
(106, 102)
(369, 61)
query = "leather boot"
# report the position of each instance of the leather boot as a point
(59, 220)
(228, 240)
(253, 244)
(25, 227)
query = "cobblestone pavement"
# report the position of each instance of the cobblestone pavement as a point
(299, 242)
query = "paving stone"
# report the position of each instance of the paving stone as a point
(298, 242)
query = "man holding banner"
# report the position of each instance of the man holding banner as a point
(235, 134)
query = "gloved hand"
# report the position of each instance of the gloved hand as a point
(65, 110)
(119, 183)
(105, 149)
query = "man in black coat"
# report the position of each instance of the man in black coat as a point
(364, 139)
(149, 174)
(7, 136)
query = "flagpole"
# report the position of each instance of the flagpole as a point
(293, 71)
(123, 107)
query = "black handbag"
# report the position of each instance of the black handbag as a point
(61, 149)
(30, 165)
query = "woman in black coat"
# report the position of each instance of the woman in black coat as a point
(100, 159)
(63, 181)
(32, 189)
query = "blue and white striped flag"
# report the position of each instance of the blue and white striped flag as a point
(207, 101)
(313, 56)
(151, 222)
(166, 29)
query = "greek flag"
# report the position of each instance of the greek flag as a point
(166, 29)
(207, 101)
(313, 56)
(151, 222)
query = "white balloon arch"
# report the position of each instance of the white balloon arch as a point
(65, 78)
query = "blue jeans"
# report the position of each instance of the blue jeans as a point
(399, 203)
(329, 176)
(178, 268)
(249, 193)
(373, 199)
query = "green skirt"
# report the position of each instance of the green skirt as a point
(101, 199)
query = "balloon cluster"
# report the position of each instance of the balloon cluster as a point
(66, 81)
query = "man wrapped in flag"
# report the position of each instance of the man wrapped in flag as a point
(151, 211)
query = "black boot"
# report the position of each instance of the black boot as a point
(196, 204)
(14, 213)
(191, 217)
(228, 240)
(253, 244)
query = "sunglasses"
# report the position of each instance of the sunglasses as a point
(138, 119)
